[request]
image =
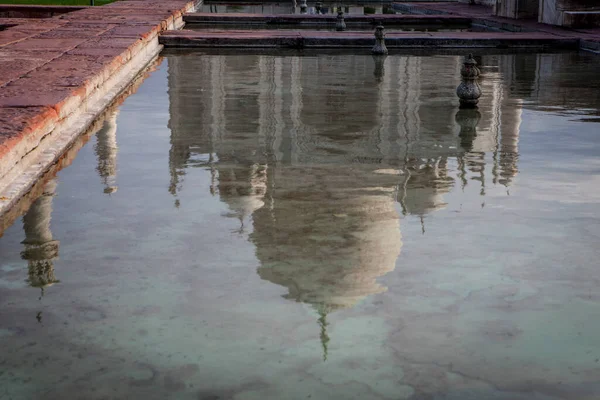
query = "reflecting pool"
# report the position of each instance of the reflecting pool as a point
(322, 226)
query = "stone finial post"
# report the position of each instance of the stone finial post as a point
(469, 91)
(340, 24)
(318, 6)
(467, 119)
(303, 7)
(379, 47)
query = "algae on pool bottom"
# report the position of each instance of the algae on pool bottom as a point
(319, 226)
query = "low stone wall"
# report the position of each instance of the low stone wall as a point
(58, 74)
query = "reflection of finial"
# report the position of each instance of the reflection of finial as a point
(323, 335)
(422, 225)
(379, 70)
(467, 119)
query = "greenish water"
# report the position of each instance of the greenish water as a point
(318, 226)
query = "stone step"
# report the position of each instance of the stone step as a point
(581, 19)
(320, 39)
(304, 19)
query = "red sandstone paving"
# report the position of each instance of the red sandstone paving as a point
(103, 52)
(46, 44)
(44, 94)
(66, 71)
(16, 63)
(139, 31)
(9, 37)
(13, 68)
(17, 123)
(71, 33)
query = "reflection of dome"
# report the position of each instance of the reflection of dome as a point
(328, 236)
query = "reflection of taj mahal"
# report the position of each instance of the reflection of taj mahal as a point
(322, 175)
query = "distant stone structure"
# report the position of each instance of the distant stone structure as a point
(568, 13)
(303, 7)
(340, 24)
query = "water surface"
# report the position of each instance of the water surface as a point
(318, 226)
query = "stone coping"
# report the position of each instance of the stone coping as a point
(299, 39)
(57, 74)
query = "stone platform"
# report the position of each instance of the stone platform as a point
(300, 39)
(58, 74)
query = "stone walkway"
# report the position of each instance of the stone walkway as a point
(65, 67)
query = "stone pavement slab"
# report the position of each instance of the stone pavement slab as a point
(18, 123)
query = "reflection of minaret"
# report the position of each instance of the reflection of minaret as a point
(474, 157)
(106, 150)
(509, 140)
(40, 248)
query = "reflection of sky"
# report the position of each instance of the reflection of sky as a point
(498, 301)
